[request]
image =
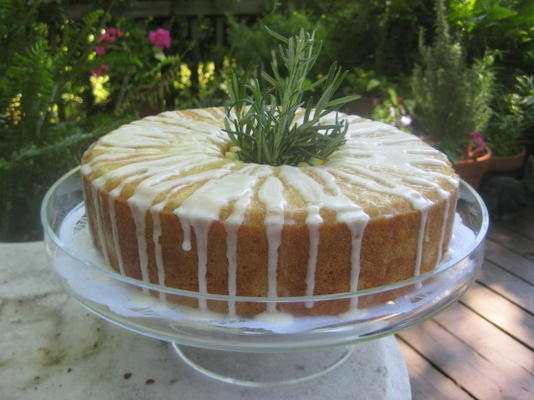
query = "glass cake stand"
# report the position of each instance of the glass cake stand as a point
(202, 338)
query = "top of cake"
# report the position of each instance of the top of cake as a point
(176, 162)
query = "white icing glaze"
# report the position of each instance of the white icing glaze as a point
(99, 222)
(231, 225)
(156, 234)
(271, 194)
(115, 232)
(175, 151)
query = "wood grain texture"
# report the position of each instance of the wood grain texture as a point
(510, 261)
(426, 381)
(482, 347)
(489, 341)
(501, 312)
(512, 241)
(522, 226)
(471, 370)
(510, 287)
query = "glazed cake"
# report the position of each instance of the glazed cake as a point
(166, 205)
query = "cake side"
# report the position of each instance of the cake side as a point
(165, 206)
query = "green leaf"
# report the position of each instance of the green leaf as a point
(266, 132)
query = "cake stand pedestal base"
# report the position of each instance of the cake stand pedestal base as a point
(264, 370)
(52, 348)
(372, 370)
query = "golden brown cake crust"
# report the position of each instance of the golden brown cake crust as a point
(405, 212)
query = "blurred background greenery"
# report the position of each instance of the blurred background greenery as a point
(73, 70)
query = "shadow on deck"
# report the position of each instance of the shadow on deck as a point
(483, 346)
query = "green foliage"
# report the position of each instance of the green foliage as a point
(394, 110)
(451, 97)
(42, 68)
(504, 26)
(512, 119)
(139, 75)
(374, 35)
(251, 47)
(49, 111)
(151, 88)
(26, 173)
(263, 126)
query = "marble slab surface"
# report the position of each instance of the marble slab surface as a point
(52, 348)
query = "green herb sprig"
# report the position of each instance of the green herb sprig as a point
(260, 119)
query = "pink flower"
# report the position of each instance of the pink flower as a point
(114, 32)
(105, 38)
(160, 38)
(100, 71)
(110, 35)
(100, 50)
(478, 140)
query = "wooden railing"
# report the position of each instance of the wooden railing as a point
(162, 8)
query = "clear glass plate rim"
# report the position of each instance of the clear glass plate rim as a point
(49, 232)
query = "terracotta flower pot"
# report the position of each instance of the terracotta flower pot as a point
(472, 170)
(508, 164)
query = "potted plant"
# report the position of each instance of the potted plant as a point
(452, 100)
(506, 131)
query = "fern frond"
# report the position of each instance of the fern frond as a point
(30, 80)
(160, 84)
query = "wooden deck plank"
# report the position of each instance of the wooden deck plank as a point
(524, 227)
(484, 345)
(489, 341)
(501, 312)
(527, 213)
(512, 241)
(510, 261)
(426, 381)
(478, 376)
(507, 285)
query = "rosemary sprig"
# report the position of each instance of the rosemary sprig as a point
(260, 119)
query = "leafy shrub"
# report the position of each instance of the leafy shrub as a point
(44, 119)
(451, 97)
(513, 118)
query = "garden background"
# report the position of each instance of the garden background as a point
(72, 71)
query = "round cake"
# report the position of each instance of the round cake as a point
(167, 204)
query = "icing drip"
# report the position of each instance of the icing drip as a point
(140, 231)
(231, 225)
(271, 194)
(312, 192)
(115, 232)
(186, 230)
(202, 208)
(201, 229)
(420, 241)
(313, 221)
(356, 220)
(443, 195)
(156, 233)
(444, 227)
(356, 234)
(346, 212)
(231, 255)
(99, 228)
